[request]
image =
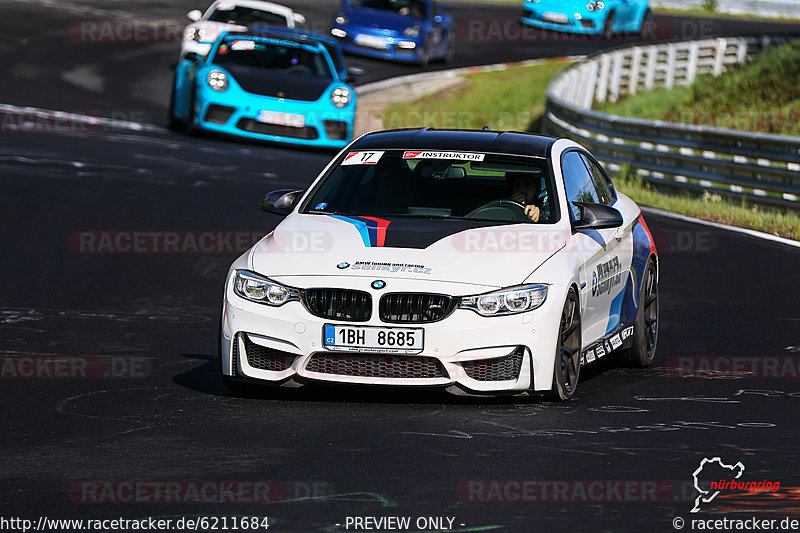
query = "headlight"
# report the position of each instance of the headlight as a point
(595, 6)
(412, 31)
(341, 19)
(193, 34)
(506, 302)
(217, 80)
(258, 289)
(340, 97)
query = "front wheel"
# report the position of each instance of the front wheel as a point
(645, 331)
(647, 30)
(567, 366)
(173, 122)
(608, 28)
(425, 55)
(450, 53)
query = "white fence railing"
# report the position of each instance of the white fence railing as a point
(762, 168)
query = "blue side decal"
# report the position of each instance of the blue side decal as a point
(616, 306)
(360, 225)
(642, 247)
(594, 235)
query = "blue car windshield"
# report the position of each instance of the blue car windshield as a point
(287, 58)
(414, 8)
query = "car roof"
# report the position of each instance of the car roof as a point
(258, 4)
(503, 142)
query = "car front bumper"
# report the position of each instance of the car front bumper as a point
(324, 126)
(463, 353)
(586, 25)
(391, 51)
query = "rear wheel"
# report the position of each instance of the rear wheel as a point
(645, 331)
(567, 368)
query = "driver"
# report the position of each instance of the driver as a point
(525, 190)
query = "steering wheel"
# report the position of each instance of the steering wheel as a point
(501, 210)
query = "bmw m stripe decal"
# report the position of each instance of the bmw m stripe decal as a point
(372, 230)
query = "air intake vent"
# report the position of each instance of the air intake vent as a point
(339, 304)
(264, 358)
(500, 369)
(376, 366)
(415, 308)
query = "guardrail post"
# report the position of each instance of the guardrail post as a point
(719, 57)
(652, 63)
(602, 84)
(672, 53)
(591, 83)
(636, 64)
(691, 69)
(616, 76)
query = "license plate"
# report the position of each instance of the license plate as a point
(282, 119)
(558, 18)
(372, 339)
(371, 41)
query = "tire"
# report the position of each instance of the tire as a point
(647, 30)
(567, 368)
(450, 53)
(190, 127)
(237, 388)
(173, 122)
(608, 27)
(645, 331)
(425, 58)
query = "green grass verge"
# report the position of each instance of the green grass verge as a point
(759, 96)
(711, 207)
(511, 99)
(514, 99)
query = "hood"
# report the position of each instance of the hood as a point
(257, 80)
(379, 19)
(459, 251)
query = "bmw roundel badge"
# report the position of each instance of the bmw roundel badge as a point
(378, 284)
(342, 266)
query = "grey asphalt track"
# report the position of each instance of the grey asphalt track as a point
(142, 408)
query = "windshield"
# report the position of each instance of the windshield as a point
(285, 56)
(414, 8)
(247, 15)
(446, 185)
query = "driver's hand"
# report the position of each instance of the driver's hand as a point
(532, 212)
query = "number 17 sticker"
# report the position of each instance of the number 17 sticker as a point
(362, 158)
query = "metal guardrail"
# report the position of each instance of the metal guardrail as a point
(761, 168)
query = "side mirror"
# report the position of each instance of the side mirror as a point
(194, 57)
(281, 202)
(353, 73)
(597, 216)
(194, 15)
